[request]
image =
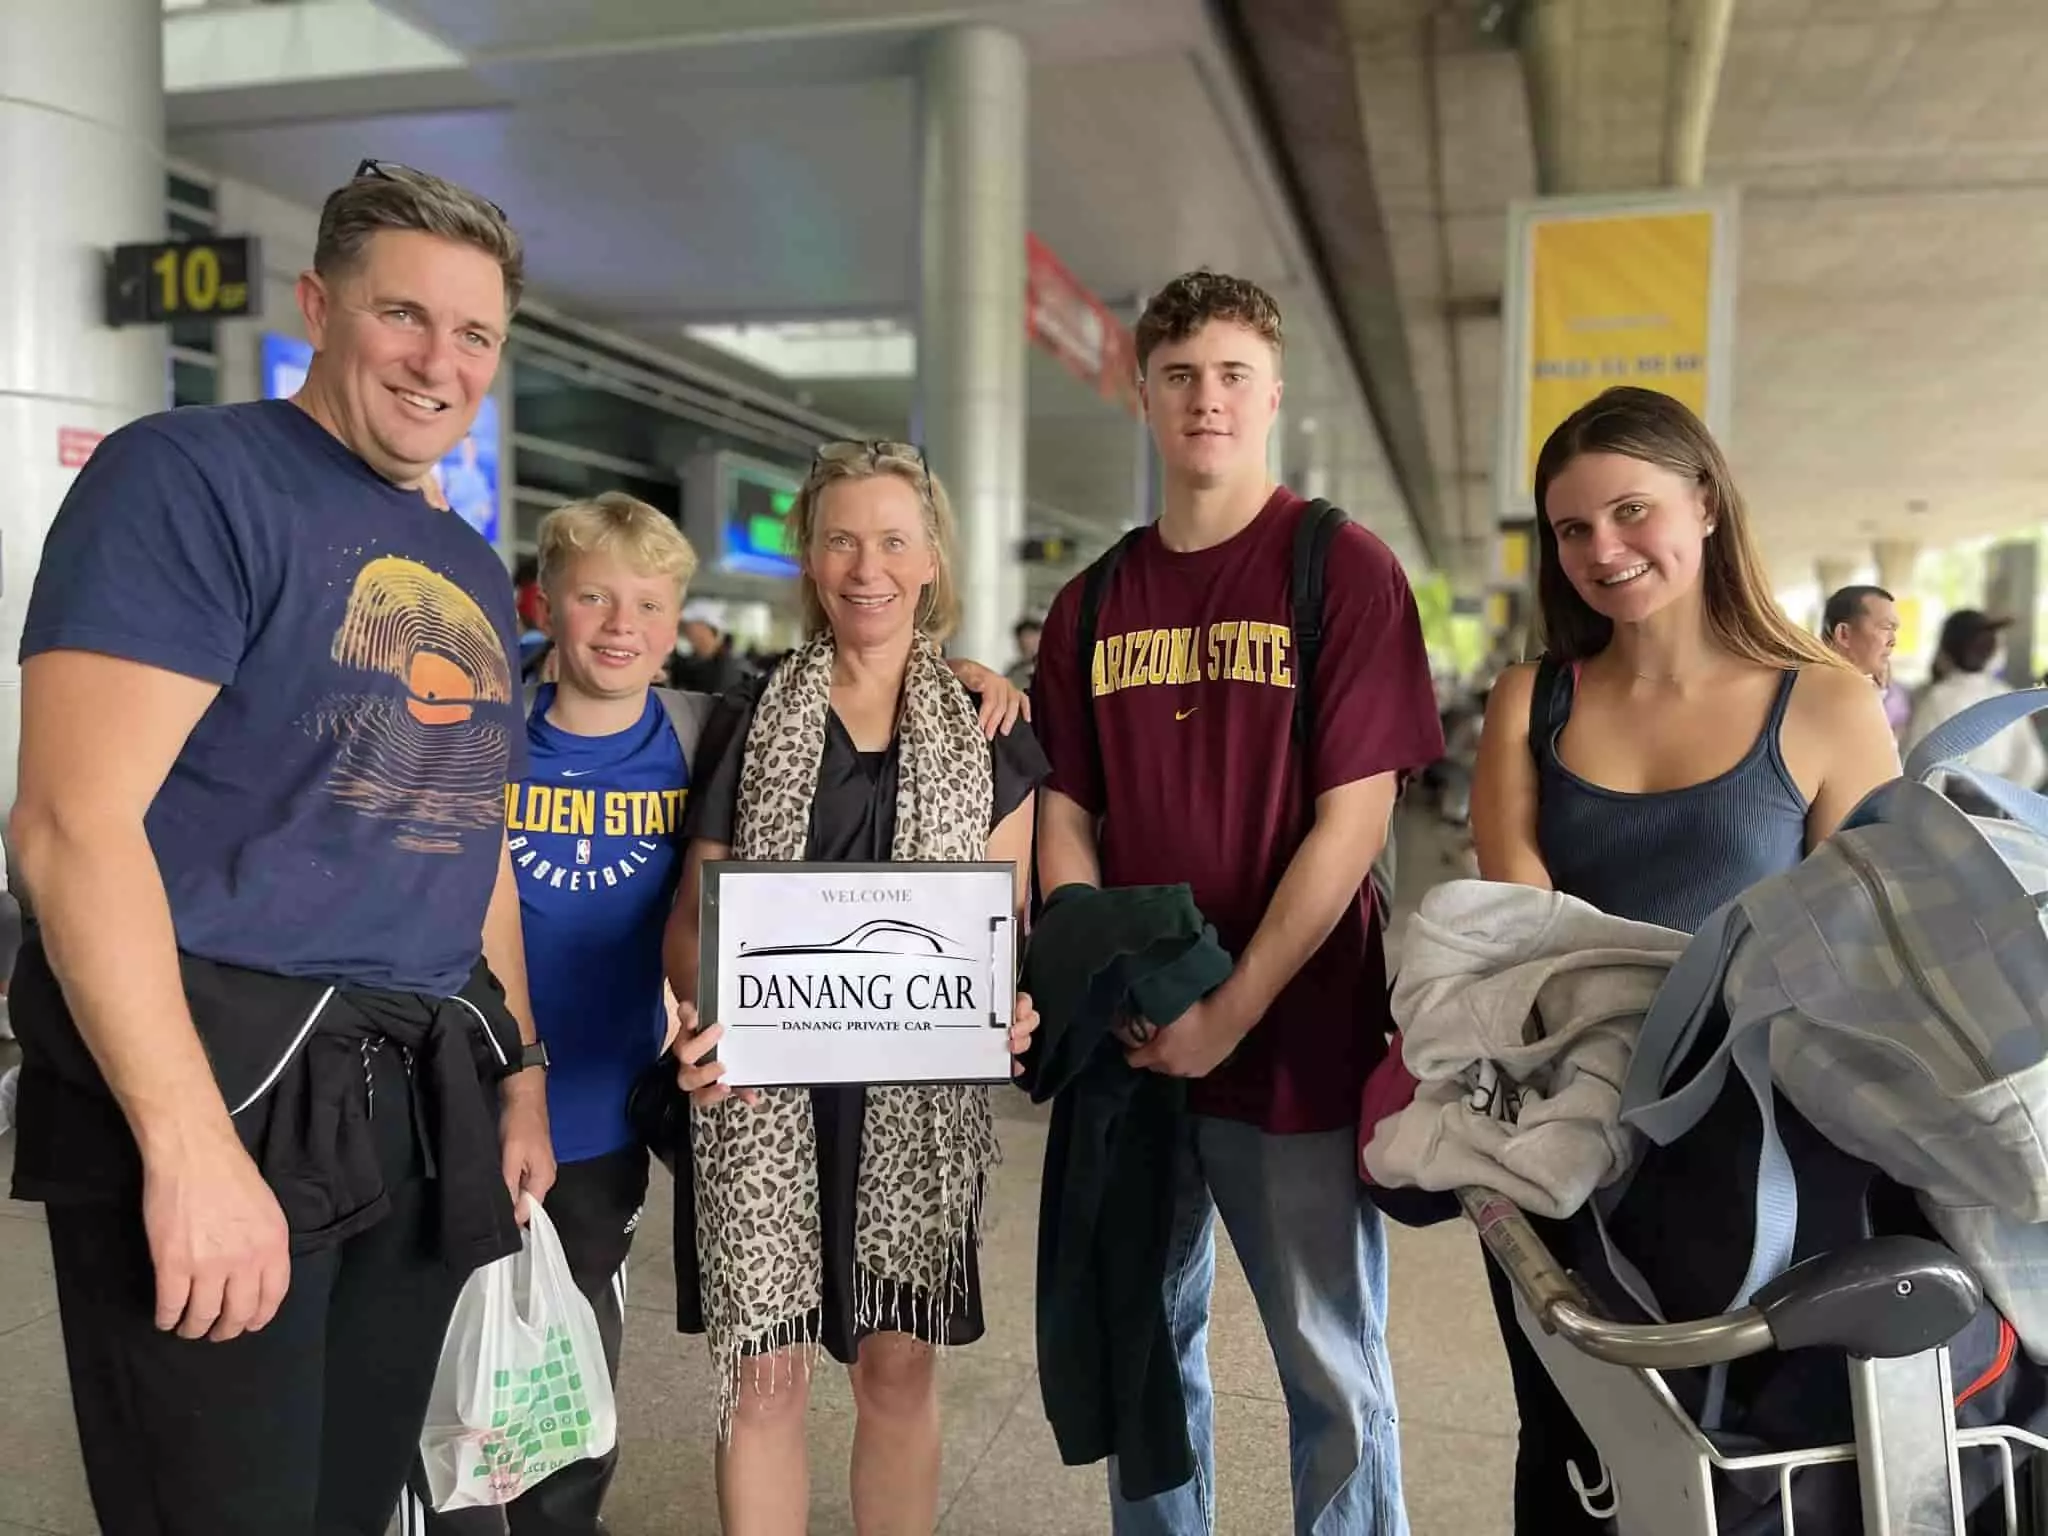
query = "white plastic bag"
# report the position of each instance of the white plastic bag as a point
(521, 1390)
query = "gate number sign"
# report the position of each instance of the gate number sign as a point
(183, 280)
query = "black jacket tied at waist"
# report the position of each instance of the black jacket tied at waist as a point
(1107, 1371)
(291, 1058)
(325, 1160)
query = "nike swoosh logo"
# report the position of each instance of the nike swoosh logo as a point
(1182, 714)
(576, 773)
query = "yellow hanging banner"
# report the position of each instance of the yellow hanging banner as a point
(1607, 291)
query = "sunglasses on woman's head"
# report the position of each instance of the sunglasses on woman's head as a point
(873, 451)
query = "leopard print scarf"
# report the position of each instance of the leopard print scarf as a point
(925, 1151)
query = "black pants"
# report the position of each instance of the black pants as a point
(595, 1206)
(1545, 1502)
(305, 1428)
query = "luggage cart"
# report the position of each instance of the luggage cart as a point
(1890, 1304)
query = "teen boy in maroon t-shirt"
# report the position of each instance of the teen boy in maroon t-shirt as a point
(1201, 780)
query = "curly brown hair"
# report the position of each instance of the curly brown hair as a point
(1195, 298)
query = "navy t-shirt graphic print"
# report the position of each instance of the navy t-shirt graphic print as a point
(414, 748)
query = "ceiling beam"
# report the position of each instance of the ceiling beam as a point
(1302, 78)
(1561, 65)
(1703, 44)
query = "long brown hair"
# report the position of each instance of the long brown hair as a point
(1743, 617)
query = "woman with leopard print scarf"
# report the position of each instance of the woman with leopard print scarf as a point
(843, 1218)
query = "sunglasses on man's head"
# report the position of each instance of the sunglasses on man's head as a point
(391, 170)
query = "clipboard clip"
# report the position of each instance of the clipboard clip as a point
(1002, 971)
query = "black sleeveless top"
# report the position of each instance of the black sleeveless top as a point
(1673, 857)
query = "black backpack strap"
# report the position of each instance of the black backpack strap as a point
(1312, 535)
(1094, 587)
(1549, 704)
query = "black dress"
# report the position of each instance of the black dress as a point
(853, 820)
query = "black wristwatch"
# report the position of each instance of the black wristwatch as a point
(534, 1055)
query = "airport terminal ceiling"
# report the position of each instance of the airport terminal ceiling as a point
(667, 177)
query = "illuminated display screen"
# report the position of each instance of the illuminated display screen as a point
(757, 527)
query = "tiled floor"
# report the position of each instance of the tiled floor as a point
(1001, 1474)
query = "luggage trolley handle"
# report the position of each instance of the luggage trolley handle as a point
(1883, 1298)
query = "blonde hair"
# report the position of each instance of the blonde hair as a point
(643, 537)
(938, 609)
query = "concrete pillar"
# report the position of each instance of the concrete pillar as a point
(1897, 559)
(1146, 476)
(1834, 574)
(974, 165)
(1319, 478)
(2011, 580)
(82, 147)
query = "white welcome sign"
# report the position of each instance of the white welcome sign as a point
(859, 973)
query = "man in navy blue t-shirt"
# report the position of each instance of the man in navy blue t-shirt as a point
(269, 710)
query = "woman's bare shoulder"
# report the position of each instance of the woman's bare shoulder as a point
(1832, 695)
(1509, 697)
(1508, 701)
(1839, 715)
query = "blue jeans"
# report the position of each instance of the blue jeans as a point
(1314, 1252)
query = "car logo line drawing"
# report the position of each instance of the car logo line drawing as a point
(871, 938)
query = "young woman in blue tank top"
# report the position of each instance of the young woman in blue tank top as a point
(1680, 740)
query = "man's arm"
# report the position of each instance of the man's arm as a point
(1067, 854)
(524, 1145)
(98, 738)
(1322, 881)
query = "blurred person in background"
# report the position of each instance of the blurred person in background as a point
(1967, 663)
(713, 664)
(1861, 625)
(1026, 635)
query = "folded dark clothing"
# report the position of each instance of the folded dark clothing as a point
(289, 1056)
(1107, 1372)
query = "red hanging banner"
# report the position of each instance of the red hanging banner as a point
(1067, 320)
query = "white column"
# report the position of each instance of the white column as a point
(1896, 561)
(1319, 479)
(974, 168)
(1834, 573)
(82, 165)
